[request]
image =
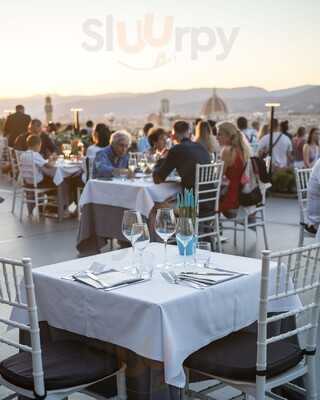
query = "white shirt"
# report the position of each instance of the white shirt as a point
(280, 150)
(250, 134)
(27, 159)
(93, 150)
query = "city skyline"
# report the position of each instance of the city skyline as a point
(77, 48)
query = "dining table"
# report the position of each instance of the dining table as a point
(154, 319)
(103, 202)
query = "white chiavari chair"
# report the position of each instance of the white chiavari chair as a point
(16, 176)
(207, 192)
(32, 195)
(302, 179)
(87, 167)
(50, 371)
(282, 346)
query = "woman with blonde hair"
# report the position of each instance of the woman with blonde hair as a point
(205, 137)
(235, 152)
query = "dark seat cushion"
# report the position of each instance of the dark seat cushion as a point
(235, 356)
(65, 364)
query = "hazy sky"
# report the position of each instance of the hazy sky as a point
(273, 44)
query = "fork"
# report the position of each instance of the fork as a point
(169, 278)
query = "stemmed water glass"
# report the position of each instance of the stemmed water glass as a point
(132, 165)
(130, 217)
(184, 234)
(66, 149)
(165, 227)
(140, 238)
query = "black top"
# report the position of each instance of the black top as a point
(47, 145)
(183, 157)
(15, 125)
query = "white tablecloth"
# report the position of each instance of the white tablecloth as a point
(137, 194)
(155, 319)
(64, 170)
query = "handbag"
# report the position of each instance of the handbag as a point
(252, 198)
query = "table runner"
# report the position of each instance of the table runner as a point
(156, 320)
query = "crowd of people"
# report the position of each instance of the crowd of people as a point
(180, 149)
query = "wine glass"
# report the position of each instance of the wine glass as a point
(142, 164)
(66, 149)
(184, 234)
(203, 254)
(132, 165)
(151, 162)
(130, 217)
(165, 227)
(140, 238)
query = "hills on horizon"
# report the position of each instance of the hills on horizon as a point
(301, 99)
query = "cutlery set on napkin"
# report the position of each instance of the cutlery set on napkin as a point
(101, 277)
(200, 279)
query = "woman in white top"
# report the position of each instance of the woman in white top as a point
(311, 148)
(101, 138)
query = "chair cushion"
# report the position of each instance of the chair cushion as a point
(235, 356)
(65, 364)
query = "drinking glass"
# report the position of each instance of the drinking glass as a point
(142, 163)
(66, 149)
(165, 227)
(141, 238)
(203, 254)
(132, 165)
(130, 217)
(151, 162)
(184, 234)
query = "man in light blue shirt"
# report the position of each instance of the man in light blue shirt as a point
(143, 143)
(114, 157)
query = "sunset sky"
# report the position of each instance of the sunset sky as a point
(42, 45)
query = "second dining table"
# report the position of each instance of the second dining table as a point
(103, 202)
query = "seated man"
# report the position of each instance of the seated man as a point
(44, 168)
(183, 157)
(47, 149)
(113, 158)
(313, 206)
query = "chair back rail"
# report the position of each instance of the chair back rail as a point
(297, 274)
(28, 169)
(10, 295)
(208, 183)
(302, 180)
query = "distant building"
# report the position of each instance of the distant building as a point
(214, 108)
(165, 106)
(48, 108)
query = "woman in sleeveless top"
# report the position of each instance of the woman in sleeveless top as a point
(235, 153)
(311, 148)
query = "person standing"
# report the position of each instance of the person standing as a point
(16, 124)
(311, 149)
(143, 142)
(298, 143)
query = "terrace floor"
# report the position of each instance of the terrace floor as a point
(50, 242)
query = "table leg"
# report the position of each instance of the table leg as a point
(60, 202)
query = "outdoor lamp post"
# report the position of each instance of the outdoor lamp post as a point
(76, 119)
(272, 107)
